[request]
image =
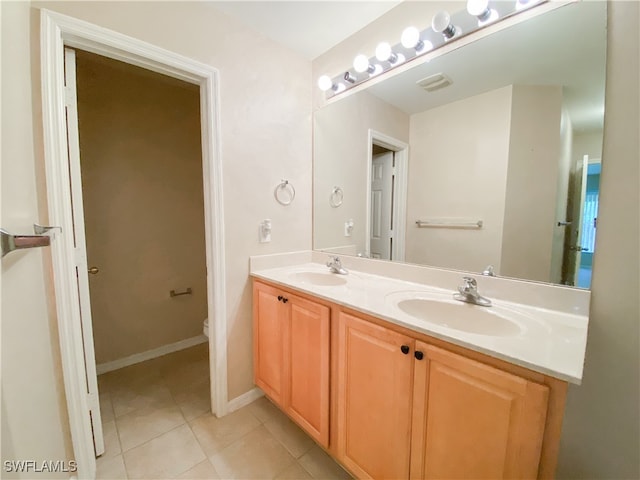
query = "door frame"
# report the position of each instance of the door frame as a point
(401, 150)
(58, 31)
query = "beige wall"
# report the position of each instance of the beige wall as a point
(458, 169)
(601, 432)
(265, 93)
(34, 418)
(340, 143)
(534, 154)
(143, 197)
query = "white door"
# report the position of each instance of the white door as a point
(381, 234)
(73, 139)
(576, 244)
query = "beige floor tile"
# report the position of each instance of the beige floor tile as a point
(202, 471)
(257, 455)
(166, 456)
(194, 401)
(263, 409)
(142, 425)
(321, 465)
(216, 433)
(294, 472)
(182, 376)
(139, 372)
(110, 468)
(296, 441)
(111, 440)
(127, 399)
(106, 407)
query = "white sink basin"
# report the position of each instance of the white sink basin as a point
(319, 278)
(449, 313)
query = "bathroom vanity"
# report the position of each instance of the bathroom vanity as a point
(393, 393)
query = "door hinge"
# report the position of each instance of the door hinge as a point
(80, 257)
(92, 401)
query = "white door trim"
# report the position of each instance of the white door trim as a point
(58, 30)
(401, 150)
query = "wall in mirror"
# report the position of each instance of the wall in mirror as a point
(497, 165)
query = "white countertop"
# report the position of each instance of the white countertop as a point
(548, 341)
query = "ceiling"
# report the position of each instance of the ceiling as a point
(552, 49)
(566, 47)
(308, 27)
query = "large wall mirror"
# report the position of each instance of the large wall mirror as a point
(487, 155)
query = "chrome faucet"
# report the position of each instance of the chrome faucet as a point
(335, 266)
(469, 293)
(488, 272)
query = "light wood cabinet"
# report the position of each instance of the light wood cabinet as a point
(401, 404)
(291, 356)
(375, 371)
(471, 420)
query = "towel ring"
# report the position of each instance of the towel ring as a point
(284, 193)
(335, 199)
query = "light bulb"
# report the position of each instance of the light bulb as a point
(361, 63)
(383, 51)
(410, 37)
(477, 7)
(481, 10)
(441, 23)
(325, 83)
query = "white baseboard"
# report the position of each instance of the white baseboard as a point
(244, 399)
(149, 354)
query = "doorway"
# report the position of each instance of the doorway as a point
(58, 31)
(387, 167)
(139, 211)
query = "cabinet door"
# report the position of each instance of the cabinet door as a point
(474, 421)
(307, 367)
(269, 319)
(374, 399)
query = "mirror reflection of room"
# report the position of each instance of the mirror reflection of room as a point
(488, 155)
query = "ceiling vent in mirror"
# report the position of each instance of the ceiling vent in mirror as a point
(434, 82)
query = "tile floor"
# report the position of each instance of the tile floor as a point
(157, 425)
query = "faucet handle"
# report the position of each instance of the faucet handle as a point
(333, 260)
(470, 282)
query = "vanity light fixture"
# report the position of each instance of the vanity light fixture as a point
(480, 9)
(349, 77)
(384, 53)
(414, 43)
(441, 23)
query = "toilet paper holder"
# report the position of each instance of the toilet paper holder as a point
(173, 293)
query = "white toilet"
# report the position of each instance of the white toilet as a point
(205, 327)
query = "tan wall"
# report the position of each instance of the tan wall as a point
(142, 186)
(458, 169)
(340, 143)
(265, 93)
(601, 432)
(534, 154)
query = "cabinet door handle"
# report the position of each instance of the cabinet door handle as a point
(285, 300)
(404, 349)
(280, 298)
(418, 354)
